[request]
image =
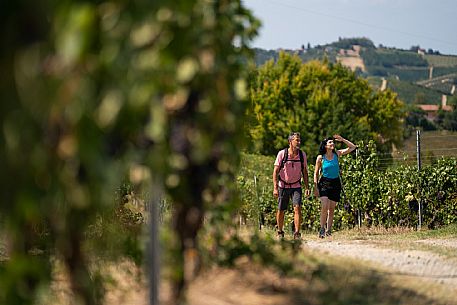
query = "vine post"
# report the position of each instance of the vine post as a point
(418, 148)
(154, 251)
(259, 212)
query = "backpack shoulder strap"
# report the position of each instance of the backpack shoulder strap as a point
(284, 158)
(302, 160)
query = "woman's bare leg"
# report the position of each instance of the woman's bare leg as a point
(331, 213)
(325, 202)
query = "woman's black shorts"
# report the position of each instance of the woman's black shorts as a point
(330, 188)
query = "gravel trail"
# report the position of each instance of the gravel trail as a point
(418, 263)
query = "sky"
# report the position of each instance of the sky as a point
(289, 24)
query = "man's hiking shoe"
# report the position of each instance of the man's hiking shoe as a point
(322, 233)
(328, 233)
(281, 234)
(297, 235)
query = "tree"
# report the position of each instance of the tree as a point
(453, 101)
(318, 99)
(417, 117)
(414, 48)
(447, 120)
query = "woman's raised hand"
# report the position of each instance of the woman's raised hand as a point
(338, 137)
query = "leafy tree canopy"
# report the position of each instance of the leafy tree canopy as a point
(318, 99)
(347, 43)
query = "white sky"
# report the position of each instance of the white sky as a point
(393, 23)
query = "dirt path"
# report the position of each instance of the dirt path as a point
(434, 277)
(422, 264)
(388, 275)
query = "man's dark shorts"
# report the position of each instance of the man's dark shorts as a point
(284, 196)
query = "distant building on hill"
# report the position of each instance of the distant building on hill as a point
(355, 51)
(432, 109)
(351, 58)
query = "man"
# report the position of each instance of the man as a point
(289, 167)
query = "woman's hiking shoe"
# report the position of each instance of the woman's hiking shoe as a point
(297, 235)
(281, 234)
(322, 233)
(328, 233)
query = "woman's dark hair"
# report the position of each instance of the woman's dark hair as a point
(322, 149)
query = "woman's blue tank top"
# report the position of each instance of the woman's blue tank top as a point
(330, 168)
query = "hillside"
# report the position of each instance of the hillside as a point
(407, 91)
(434, 144)
(417, 76)
(441, 60)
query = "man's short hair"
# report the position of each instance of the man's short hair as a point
(292, 135)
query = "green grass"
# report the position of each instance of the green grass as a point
(403, 238)
(399, 233)
(434, 144)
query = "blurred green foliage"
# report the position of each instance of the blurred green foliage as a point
(97, 93)
(201, 60)
(74, 106)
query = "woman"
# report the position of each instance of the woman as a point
(328, 187)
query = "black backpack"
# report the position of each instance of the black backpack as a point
(285, 159)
